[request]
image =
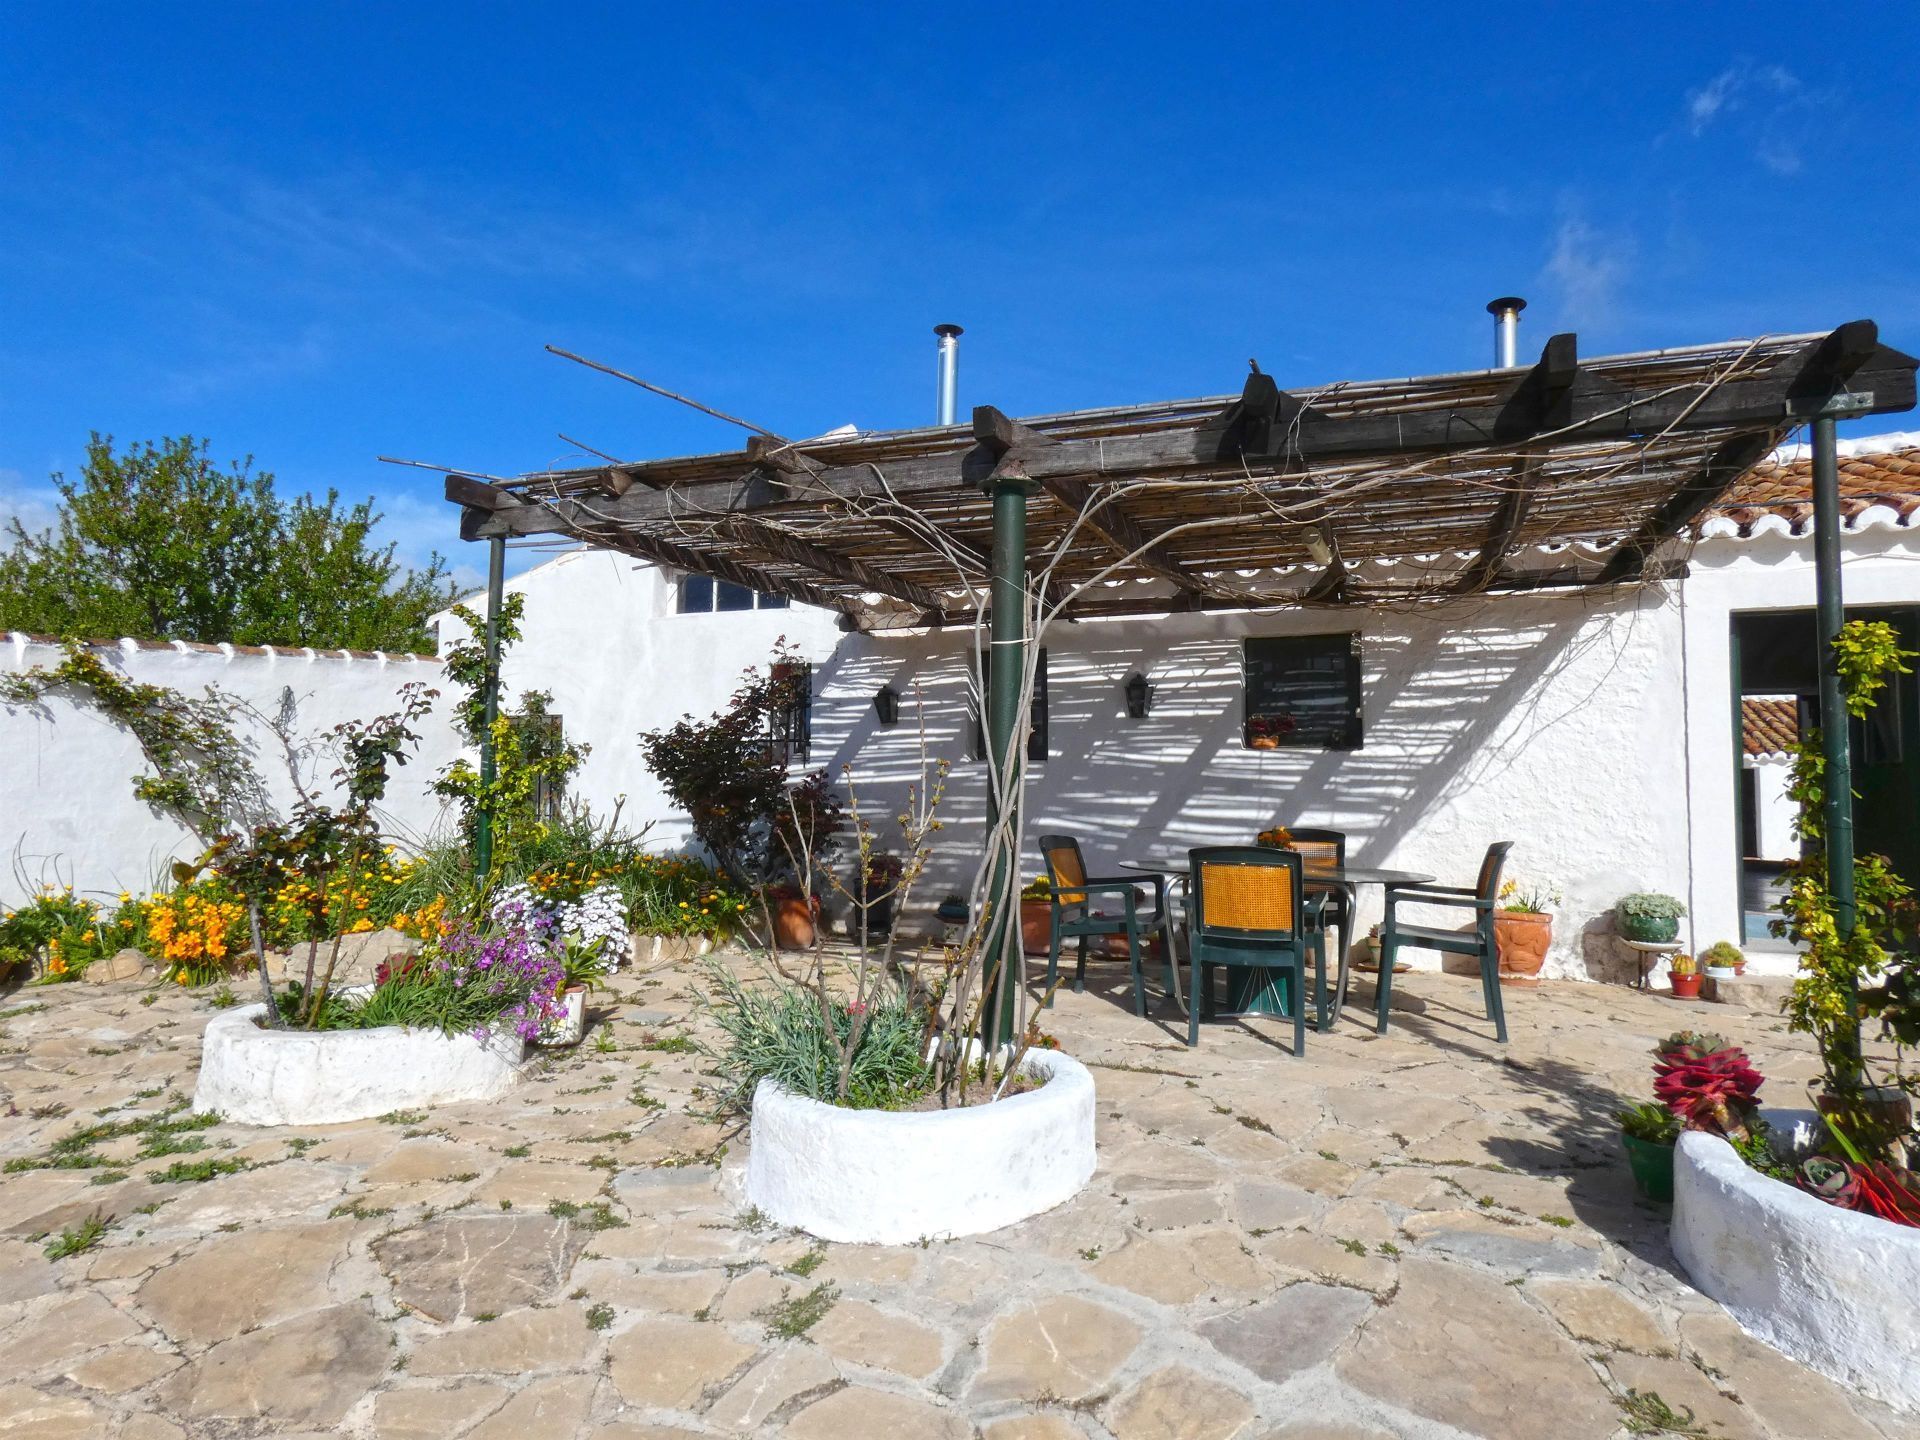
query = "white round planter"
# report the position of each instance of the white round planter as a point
(894, 1178)
(255, 1076)
(1834, 1289)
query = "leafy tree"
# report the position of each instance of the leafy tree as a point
(159, 543)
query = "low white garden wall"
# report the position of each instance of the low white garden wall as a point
(255, 1076)
(894, 1178)
(1835, 1289)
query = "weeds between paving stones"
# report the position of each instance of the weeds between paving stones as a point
(809, 1262)
(791, 1319)
(1647, 1414)
(75, 1150)
(596, 1217)
(183, 1172)
(80, 1239)
(599, 1317)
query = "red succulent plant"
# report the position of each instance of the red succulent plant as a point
(1708, 1083)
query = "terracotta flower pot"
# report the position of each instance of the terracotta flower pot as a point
(1685, 987)
(793, 922)
(1036, 926)
(1521, 938)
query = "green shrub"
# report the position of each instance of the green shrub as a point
(1653, 1123)
(777, 1031)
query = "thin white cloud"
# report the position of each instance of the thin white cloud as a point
(1764, 106)
(34, 505)
(1585, 269)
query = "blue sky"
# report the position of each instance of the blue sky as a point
(318, 234)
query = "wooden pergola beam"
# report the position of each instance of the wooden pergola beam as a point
(1727, 464)
(1105, 516)
(1268, 429)
(480, 499)
(798, 550)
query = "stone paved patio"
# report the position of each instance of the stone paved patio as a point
(1418, 1236)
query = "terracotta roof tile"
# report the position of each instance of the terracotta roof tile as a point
(1888, 478)
(1769, 725)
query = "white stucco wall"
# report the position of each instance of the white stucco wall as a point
(67, 810)
(1774, 811)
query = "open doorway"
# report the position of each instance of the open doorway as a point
(1776, 679)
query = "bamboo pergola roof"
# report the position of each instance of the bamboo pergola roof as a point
(1570, 472)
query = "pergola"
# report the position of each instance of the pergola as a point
(1569, 473)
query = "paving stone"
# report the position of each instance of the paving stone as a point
(1324, 1257)
(461, 1267)
(418, 1413)
(1062, 1347)
(1788, 1399)
(1177, 1269)
(671, 1364)
(862, 1334)
(429, 1159)
(148, 1427)
(125, 964)
(1033, 1427)
(524, 1341)
(793, 1371)
(1268, 1205)
(753, 1294)
(859, 1411)
(1179, 1404)
(61, 1334)
(684, 1293)
(1331, 1178)
(121, 1368)
(556, 1406)
(1511, 1248)
(29, 1414)
(1517, 1359)
(306, 1371)
(1683, 1388)
(287, 1191)
(532, 1185)
(1294, 1331)
(1600, 1314)
(25, 1271)
(238, 1282)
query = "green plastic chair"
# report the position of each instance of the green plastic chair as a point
(1246, 907)
(1477, 942)
(1074, 918)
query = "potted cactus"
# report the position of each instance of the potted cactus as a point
(1649, 917)
(1723, 960)
(1684, 977)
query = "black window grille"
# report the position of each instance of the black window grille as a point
(1036, 715)
(702, 595)
(1302, 692)
(790, 725)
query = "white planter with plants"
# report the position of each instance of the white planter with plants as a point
(1835, 1289)
(899, 1177)
(256, 1076)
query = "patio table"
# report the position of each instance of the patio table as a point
(1263, 992)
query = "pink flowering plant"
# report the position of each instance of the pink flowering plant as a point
(480, 978)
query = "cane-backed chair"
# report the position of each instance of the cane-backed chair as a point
(1074, 916)
(1478, 942)
(1323, 856)
(1247, 907)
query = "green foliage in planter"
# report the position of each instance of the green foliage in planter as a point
(1655, 1124)
(779, 1031)
(1649, 906)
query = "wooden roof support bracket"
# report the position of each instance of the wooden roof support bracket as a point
(1011, 442)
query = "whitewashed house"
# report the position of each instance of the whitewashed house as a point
(1599, 732)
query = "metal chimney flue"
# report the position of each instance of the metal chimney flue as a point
(1506, 330)
(949, 391)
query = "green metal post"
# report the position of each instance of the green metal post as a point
(1006, 674)
(490, 700)
(1838, 820)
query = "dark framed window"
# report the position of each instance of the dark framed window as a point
(702, 594)
(1037, 716)
(541, 734)
(1302, 692)
(790, 726)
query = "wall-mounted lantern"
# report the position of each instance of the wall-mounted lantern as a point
(886, 704)
(1139, 696)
